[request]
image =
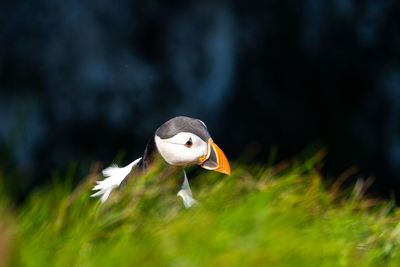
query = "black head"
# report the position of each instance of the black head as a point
(185, 141)
(183, 124)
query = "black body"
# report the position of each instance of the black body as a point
(149, 154)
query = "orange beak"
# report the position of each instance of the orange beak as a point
(216, 160)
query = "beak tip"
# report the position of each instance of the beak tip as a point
(226, 170)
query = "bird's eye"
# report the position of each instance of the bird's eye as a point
(189, 143)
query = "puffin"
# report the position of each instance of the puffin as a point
(180, 142)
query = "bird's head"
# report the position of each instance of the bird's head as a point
(184, 141)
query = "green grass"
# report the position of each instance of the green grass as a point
(282, 215)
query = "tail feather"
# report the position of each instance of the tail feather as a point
(114, 177)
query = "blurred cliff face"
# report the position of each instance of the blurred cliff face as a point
(83, 81)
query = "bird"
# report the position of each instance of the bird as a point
(181, 141)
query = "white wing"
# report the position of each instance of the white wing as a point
(114, 177)
(186, 194)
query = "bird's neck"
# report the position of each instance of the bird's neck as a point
(152, 157)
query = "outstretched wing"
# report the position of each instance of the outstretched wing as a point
(185, 193)
(114, 177)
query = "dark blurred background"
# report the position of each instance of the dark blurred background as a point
(85, 81)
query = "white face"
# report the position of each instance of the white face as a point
(182, 149)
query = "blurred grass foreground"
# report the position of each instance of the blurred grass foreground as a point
(279, 215)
